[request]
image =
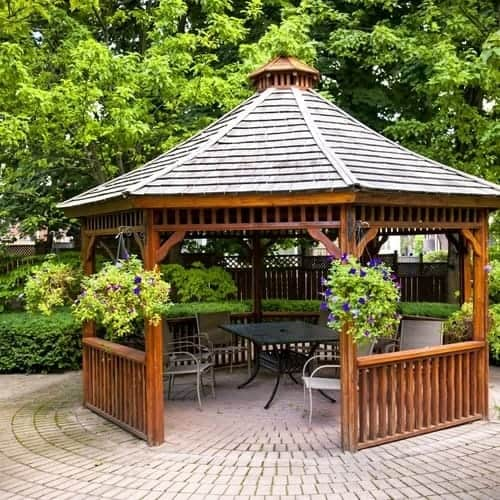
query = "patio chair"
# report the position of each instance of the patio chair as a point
(316, 382)
(219, 341)
(326, 383)
(184, 357)
(416, 334)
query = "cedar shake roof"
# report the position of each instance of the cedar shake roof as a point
(287, 140)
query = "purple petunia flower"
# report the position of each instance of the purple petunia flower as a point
(344, 258)
(361, 300)
(330, 259)
(328, 292)
(488, 268)
(362, 273)
(332, 317)
(137, 290)
(352, 270)
(371, 320)
(346, 307)
(367, 333)
(323, 306)
(125, 254)
(323, 281)
(137, 280)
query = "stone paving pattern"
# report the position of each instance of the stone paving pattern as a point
(52, 448)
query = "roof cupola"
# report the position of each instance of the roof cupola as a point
(284, 72)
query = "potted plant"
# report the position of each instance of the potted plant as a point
(122, 295)
(363, 297)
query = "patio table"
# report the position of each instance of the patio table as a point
(280, 359)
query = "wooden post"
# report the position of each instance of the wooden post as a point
(88, 329)
(348, 352)
(257, 277)
(154, 348)
(465, 259)
(480, 310)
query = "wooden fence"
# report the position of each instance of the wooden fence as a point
(413, 392)
(114, 383)
(299, 277)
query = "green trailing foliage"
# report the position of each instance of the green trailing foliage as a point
(199, 283)
(122, 295)
(51, 285)
(14, 279)
(37, 343)
(363, 298)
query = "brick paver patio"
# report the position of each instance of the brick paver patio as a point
(50, 447)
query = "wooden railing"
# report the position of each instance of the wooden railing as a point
(413, 392)
(115, 383)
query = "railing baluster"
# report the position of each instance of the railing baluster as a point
(413, 392)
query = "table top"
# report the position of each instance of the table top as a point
(282, 332)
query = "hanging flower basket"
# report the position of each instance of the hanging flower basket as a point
(120, 295)
(363, 297)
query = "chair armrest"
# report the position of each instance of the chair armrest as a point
(171, 356)
(318, 356)
(321, 368)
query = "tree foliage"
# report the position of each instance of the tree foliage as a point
(93, 88)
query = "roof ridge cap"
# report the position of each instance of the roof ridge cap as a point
(446, 167)
(208, 144)
(336, 162)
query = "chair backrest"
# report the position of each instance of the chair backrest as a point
(417, 333)
(323, 318)
(365, 349)
(208, 324)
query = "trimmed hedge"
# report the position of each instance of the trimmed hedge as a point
(428, 309)
(37, 343)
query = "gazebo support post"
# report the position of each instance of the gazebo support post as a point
(88, 330)
(348, 375)
(154, 349)
(257, 275)
(480, 309)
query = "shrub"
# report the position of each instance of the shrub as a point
(494, 333)
(436, 256)
(494, 282)
(198, 283)
(37, 343)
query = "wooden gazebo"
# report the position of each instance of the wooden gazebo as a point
(287, 162)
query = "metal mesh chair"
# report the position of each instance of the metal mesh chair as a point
(185, 358)
(219, 341)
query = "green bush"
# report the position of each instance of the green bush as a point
(494, 333)
(436, 256)
(183, 310)
(37, 343)
(198, 283)
(494, 282)
(273, 305)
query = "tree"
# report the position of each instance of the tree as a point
(93, 88)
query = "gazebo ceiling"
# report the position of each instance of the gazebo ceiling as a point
(287, 139)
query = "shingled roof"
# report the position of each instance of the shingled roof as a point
(287, 139)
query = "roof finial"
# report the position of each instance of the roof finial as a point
(284, 72)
